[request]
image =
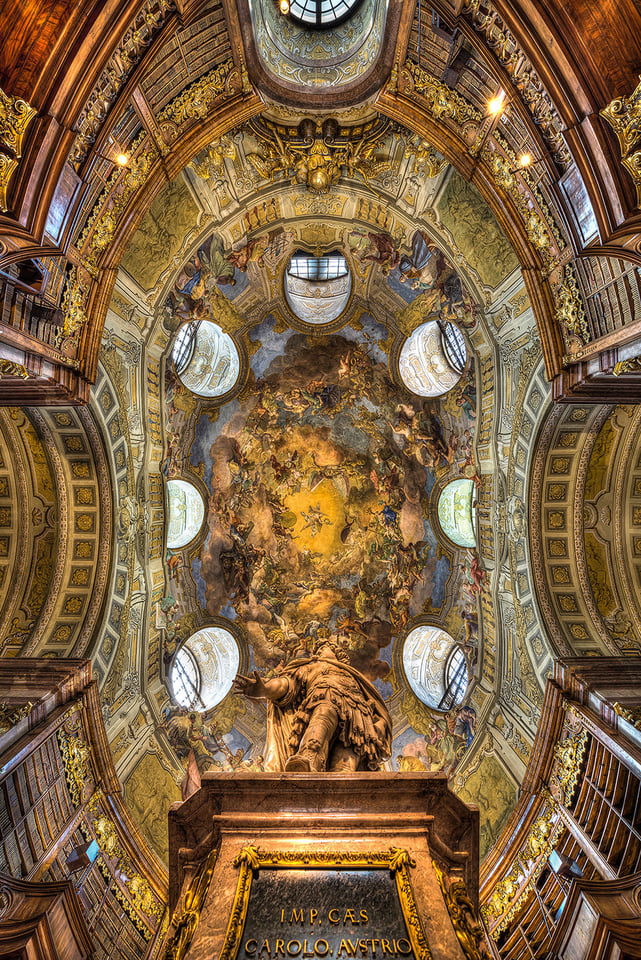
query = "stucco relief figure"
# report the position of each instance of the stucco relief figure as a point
(322, 714)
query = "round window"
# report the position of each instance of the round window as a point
(321, 13)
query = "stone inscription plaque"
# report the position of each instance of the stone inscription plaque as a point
(324, 913)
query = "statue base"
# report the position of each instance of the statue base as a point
(378, 866)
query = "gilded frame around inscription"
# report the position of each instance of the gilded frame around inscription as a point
(396, 860)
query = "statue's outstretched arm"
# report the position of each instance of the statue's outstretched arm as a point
(255, 688)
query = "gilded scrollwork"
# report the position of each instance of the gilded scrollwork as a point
(10, 714)
(9, 368)
(73, 308)
(441, 100)
(15, 117)
(630, 713)
(316, 156)
(7, 169)
(569, 755)
(569, 308)
(195, 102)
(462, 914)
(186, 919)
(141, 898)
(135, 40)
(426, 159)
(486, 21)
(624, 116)
(510, 892)
(75, 757)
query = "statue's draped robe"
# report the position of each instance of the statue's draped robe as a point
(357, 702)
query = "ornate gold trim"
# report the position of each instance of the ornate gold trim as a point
(15, 117)
(396, 860)
(462, 914)
(7, 169)
(624, 116)
(569, 308)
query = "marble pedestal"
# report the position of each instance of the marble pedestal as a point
(306, 816)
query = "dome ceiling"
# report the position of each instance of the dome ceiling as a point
(319, 472)
(366, 471)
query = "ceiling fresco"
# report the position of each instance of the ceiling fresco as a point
(316, 474)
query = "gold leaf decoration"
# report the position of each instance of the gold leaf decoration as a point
(15, 117)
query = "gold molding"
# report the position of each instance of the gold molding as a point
(511, 891)
(396, 860)
(7, 169)
(569, 308)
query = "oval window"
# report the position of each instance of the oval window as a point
(435, 675)
(186, 511)
(432, 359)
(205, 358)
(203, 669)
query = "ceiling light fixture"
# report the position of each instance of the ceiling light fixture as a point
(283, 6)
(121, 159)
(495, 105)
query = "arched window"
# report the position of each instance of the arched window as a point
(456, 512)
(186, 512)
(206, 358)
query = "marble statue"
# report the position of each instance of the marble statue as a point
(322, 714)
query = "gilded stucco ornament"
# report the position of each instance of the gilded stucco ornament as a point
(569, 756)
(7, 169)
(486, 21)
(141, 897)
(569, 308)
(624, 116)
(15, 117)
(316, 156)
(540, 229)
(8, 368)
(462, 914)
(511, 890)
(195, 102)
(185, 920)
(426, 159)
(136, 38)
(631, 365)
(75, 756)
(73, 308)
(441, 100)
(211, 166)
(630, 713)
(10, 715)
